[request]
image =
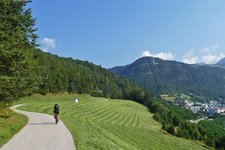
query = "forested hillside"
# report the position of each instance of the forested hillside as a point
(58, 74)
(160, 76)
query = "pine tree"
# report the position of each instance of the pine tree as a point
(17, 39)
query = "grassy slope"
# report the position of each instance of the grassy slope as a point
(98, 123)
(11, 125)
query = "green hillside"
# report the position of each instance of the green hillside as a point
(58, 74)
(161, 76)
(100, 123)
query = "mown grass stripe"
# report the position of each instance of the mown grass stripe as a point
(97, 123)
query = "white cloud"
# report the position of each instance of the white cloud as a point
(190, 57)
(146, 54)
(212, 59)
(208, 55)
(209, 49)
(208, 59)
(162, 55)
(47, 44)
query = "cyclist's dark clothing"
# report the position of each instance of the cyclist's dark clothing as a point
(56, 109)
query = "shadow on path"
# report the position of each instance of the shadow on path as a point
(42, 123)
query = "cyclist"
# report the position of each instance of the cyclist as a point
(56, 112)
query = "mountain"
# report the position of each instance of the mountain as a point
(161, 76)
(221, 62)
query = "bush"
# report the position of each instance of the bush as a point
(4, 113)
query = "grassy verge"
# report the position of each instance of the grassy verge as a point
(10, 124)
(99, 123)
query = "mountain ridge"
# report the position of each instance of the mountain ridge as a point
(221, 62)
(163, 76)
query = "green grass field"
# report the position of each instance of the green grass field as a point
(10, 125)
(98, 123)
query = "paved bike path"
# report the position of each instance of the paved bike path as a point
(41, 133)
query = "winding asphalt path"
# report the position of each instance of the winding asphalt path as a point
(41, 133)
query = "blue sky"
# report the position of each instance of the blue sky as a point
(117, 32)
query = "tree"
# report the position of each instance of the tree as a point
(176, 120)
(17, 39)
(170, 129)
(210, 140)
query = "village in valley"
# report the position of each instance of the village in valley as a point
(205, 110)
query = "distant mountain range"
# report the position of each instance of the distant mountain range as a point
(161, 76)
(221, 62)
